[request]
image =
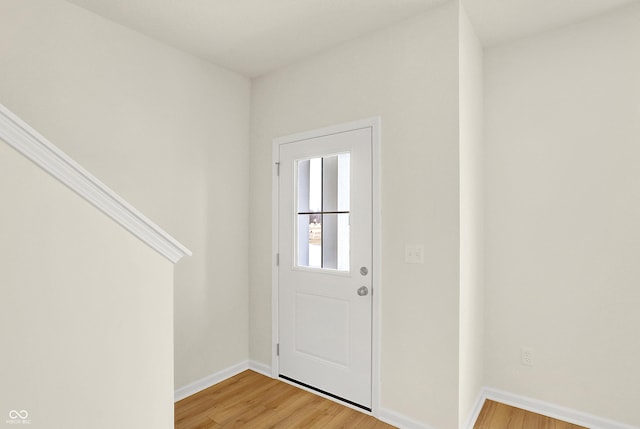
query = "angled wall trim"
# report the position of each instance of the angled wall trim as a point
(43, 153)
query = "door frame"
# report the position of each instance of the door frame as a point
(376, 285)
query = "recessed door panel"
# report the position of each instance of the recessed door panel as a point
(322, 328)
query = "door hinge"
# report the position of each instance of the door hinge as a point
(277, 169)
(277, 259)
(278, 349)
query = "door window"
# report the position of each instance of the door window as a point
(323, 195)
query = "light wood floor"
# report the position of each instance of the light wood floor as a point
(499, 416)
(251, 400)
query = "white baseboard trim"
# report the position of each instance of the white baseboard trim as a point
(547, 409)
(400, 421)
(209, 381)
(475, 411)
(260, 368)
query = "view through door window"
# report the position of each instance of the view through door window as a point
(323, 212)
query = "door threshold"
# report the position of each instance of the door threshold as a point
(324, 392)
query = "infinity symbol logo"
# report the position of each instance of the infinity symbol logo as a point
(22, 414)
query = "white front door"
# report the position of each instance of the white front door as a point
(325, 264)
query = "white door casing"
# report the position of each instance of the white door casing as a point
(325, 318)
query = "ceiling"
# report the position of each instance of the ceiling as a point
(253, 37)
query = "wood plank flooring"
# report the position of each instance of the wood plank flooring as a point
(495, 415)
(251, 400)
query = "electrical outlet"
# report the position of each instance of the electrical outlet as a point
(526, 356)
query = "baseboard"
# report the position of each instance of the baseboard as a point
(210, 380)
(548, 409)
(261, 368)
(400, 421)
(475, 411)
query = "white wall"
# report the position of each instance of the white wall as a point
(408, 75)
(562, 210)
(86, 320)
(471, 223)
(166, 131)
(170, 133)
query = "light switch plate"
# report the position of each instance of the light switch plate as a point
(414, 253)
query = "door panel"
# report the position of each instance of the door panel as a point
(325, 236)
(321, 328)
